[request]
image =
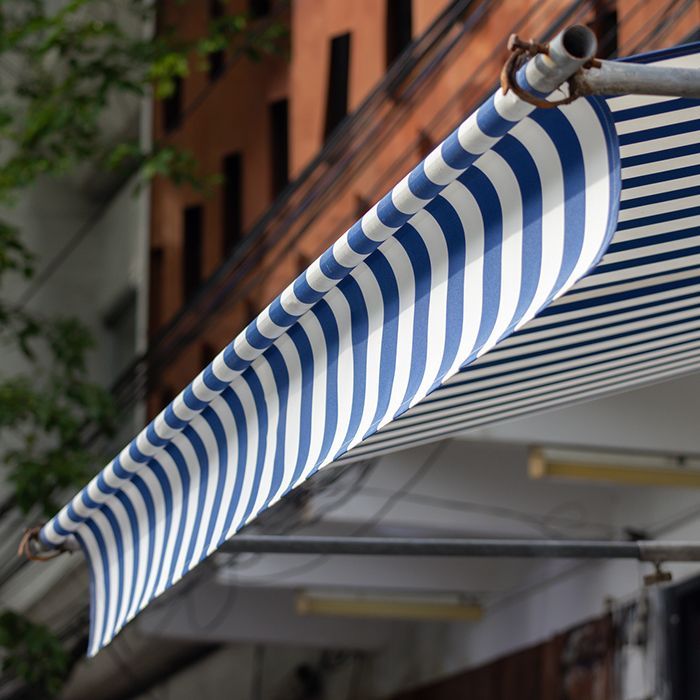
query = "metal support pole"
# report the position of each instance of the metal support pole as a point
(616, 78)
(448, 547)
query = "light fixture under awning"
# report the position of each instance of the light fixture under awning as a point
(460, 299)
(619, 468)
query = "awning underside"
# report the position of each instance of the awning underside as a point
(633, 320)
(477, 310)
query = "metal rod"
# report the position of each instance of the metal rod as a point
(619, 78)
(451, 547)
(544, 73)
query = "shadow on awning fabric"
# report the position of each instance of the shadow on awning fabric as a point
(560, 265)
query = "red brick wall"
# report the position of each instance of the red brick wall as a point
(232, 114)
(574, 665)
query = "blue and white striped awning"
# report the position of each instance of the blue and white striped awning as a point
(533, 259)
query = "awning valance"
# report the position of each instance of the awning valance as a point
(535, 258)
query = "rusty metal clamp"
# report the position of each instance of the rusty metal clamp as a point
(28, 549)
(520, 52)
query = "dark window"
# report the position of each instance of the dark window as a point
(156, 280)
(172, 107)
(399, 26)
(338, 81)
(208, 353)
(279, 144)
(362, 206)
(682, 603)
(251, 309)
(259, 8)
(217, 59)
(167, 396)
(233, 201)
(605, 27)
(303, 262)
(192, 250)
(425, 144)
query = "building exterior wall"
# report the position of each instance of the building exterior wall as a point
(102, 281)
(531, 610)
(232, 114)
(574, 665)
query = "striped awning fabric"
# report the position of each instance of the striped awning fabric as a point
(535, 258)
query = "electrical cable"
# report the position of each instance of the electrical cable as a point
(223, 299)
(682, 8)
(94, 217)
(539, 522)
(251, 249)
(376, 519)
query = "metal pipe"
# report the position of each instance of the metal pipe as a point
(620, 78)
(453, 547)
(544, 73)
(568, 51)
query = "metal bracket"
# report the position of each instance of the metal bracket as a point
(658, 575)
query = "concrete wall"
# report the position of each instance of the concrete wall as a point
(103, 271)
(266, 673)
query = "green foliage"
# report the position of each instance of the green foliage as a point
(45, 415)
(62, 66)
(71, 59)
(33, 655)
(14, 256)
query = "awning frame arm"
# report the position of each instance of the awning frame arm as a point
(596, 76)
(621, 78)
(653, 551)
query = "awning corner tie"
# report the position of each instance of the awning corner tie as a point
(32, 553)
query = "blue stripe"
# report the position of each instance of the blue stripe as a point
(454, 155)
(98, 636)
(212, 381)
(114, 603)
(279, 315)
(660, 197)
(173, 525)
(303, 347)
(331, 267)
(659, 132)
(329, 327)
(663, 176)
(236, 407)
(568, 148)
(421, 185)
(281, 377)
(359, 241)
(445, 425)
(490, 207)
(135, 540)
(221, 464)
(456, 241)
(388, 286)
(359, 325)
(203, 478)
(256, 390)
(151, 523)
(185, 480)
(665, 154)
(653, 109)
(525, 170)
(255, 337)
(418, 256)
(490, 121)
